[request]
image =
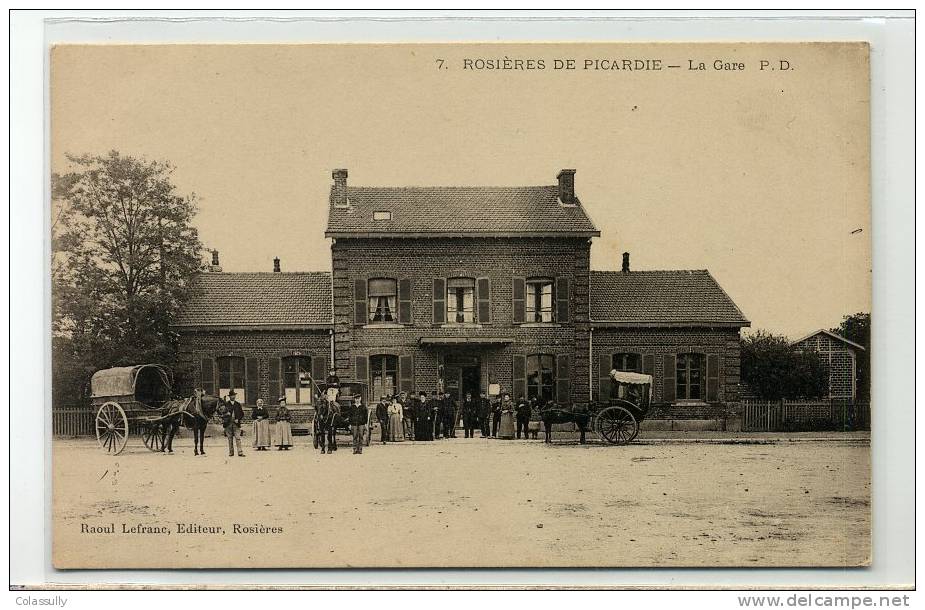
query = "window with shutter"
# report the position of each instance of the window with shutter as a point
(359, 302)
(207, 376)
(273, 379)
(604, 363)
(439, 300)
(518, 292)
(406, 374)
(648, 364)
(563, 379)
(519, 376)
(669, 366)
(319, 370)
(404, 301)
(483, 288)
(361, 368)
(252, 386)
(562, 302)
(712, 378)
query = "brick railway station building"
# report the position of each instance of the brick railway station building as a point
(465, 288)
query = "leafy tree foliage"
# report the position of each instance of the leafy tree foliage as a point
(774, 369)
(123, 254)
(856, 328)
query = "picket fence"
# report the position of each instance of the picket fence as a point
(804, 415)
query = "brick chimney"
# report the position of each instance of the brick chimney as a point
(566, 178)
(215, 267)
(276, 265)
(626, 262)
(339, 193)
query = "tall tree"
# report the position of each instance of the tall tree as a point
(856, 327)
(123, 254)
(773, 369)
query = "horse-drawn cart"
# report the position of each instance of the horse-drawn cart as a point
(132, 399)
(616, 421)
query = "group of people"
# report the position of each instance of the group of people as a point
(427, 418)
(400, 417)
(232, 414)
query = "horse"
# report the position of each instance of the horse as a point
(327, 418)
(556, 415)
(195, 413)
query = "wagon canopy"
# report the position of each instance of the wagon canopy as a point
(147, 383)
(625, 377)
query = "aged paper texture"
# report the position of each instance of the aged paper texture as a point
(515, 299)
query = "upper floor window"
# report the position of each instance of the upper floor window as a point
(297, 380)
(231, 377)
(539, 306)
(383, 300)
(630, 363)
(541, 377)
(460, 300)
(689, 379)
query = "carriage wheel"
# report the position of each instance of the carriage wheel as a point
(616, 425)
(155, 436)
(111, 428)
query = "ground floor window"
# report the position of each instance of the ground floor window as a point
(231, 377)
(629, 363)
(297, 380)
(384, 375)
(689, 381)
(541, 377)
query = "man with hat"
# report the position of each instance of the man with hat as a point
(382, 416)
(358, 419)
(232, 413)
(424, 423)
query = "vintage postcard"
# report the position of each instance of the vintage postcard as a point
(461, 305)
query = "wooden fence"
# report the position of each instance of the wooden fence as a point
(804, 415)
(72, 421)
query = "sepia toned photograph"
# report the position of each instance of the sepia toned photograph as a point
(460, 305)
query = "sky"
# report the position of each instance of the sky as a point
(760, 176)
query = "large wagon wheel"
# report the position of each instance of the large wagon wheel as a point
(111, 428)
(154, 435)
(616, 425)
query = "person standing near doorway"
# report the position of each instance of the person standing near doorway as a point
(470, 415)
(436, 405)
(506, 429)
(424, 424)
(484, 415)
(495, 418)
(396, 415)
(450, 416)
(382, 416)
(358, 418)
(522, 411)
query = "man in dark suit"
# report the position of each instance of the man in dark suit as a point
(470, 415)
(232, 413)
(436, 404)
(449, 416)
(382, 416)
(484, 415)
(495, 418)
(522, 411)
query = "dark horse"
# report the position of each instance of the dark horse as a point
(194, 413)
(557, 415)
(327, 418)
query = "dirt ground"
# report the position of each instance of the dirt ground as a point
(465, 502)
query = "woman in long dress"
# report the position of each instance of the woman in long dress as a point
(396, 414)
(283, 431)
(506, 430)
(261, 419)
